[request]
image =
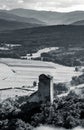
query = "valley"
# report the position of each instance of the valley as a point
(23, 73)
(50, 45)
(33, 39)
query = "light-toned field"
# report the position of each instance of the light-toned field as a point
(13, 93)
(64, 73)
(18, 73)
(22, 72)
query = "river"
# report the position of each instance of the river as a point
(39, 52)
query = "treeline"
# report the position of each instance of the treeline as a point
(65, 56)
(67, 112)
(77, 80)
(52, 36)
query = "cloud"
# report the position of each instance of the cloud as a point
(10, 4)
(55, 5)
(52, 5)
(20, 1)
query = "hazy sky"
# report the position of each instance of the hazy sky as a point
(52, 5)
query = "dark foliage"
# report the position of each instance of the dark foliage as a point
(60, 88)
(68, 56)
(35, 38)
(78, 80)
(67, 112)
(14, 124)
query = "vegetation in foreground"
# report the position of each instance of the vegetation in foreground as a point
(67, 112)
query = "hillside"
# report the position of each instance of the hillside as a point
(49, 17)
(78, 23)
(33, 39)
(11, 17)
(48, 36)
(13, 25)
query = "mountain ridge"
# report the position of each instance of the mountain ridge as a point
(79, 23)
(12, 17)
(50, 17)
(13, 25)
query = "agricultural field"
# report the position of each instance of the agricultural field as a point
(18, 73)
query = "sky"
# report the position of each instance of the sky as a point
(48, 5)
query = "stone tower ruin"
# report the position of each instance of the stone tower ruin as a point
(45, 88)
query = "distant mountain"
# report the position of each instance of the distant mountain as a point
(51, 18)
(13, 25)
(79, 23)
(11, 17)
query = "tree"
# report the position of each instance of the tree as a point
(34, 83)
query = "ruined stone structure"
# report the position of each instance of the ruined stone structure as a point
(45, 90)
